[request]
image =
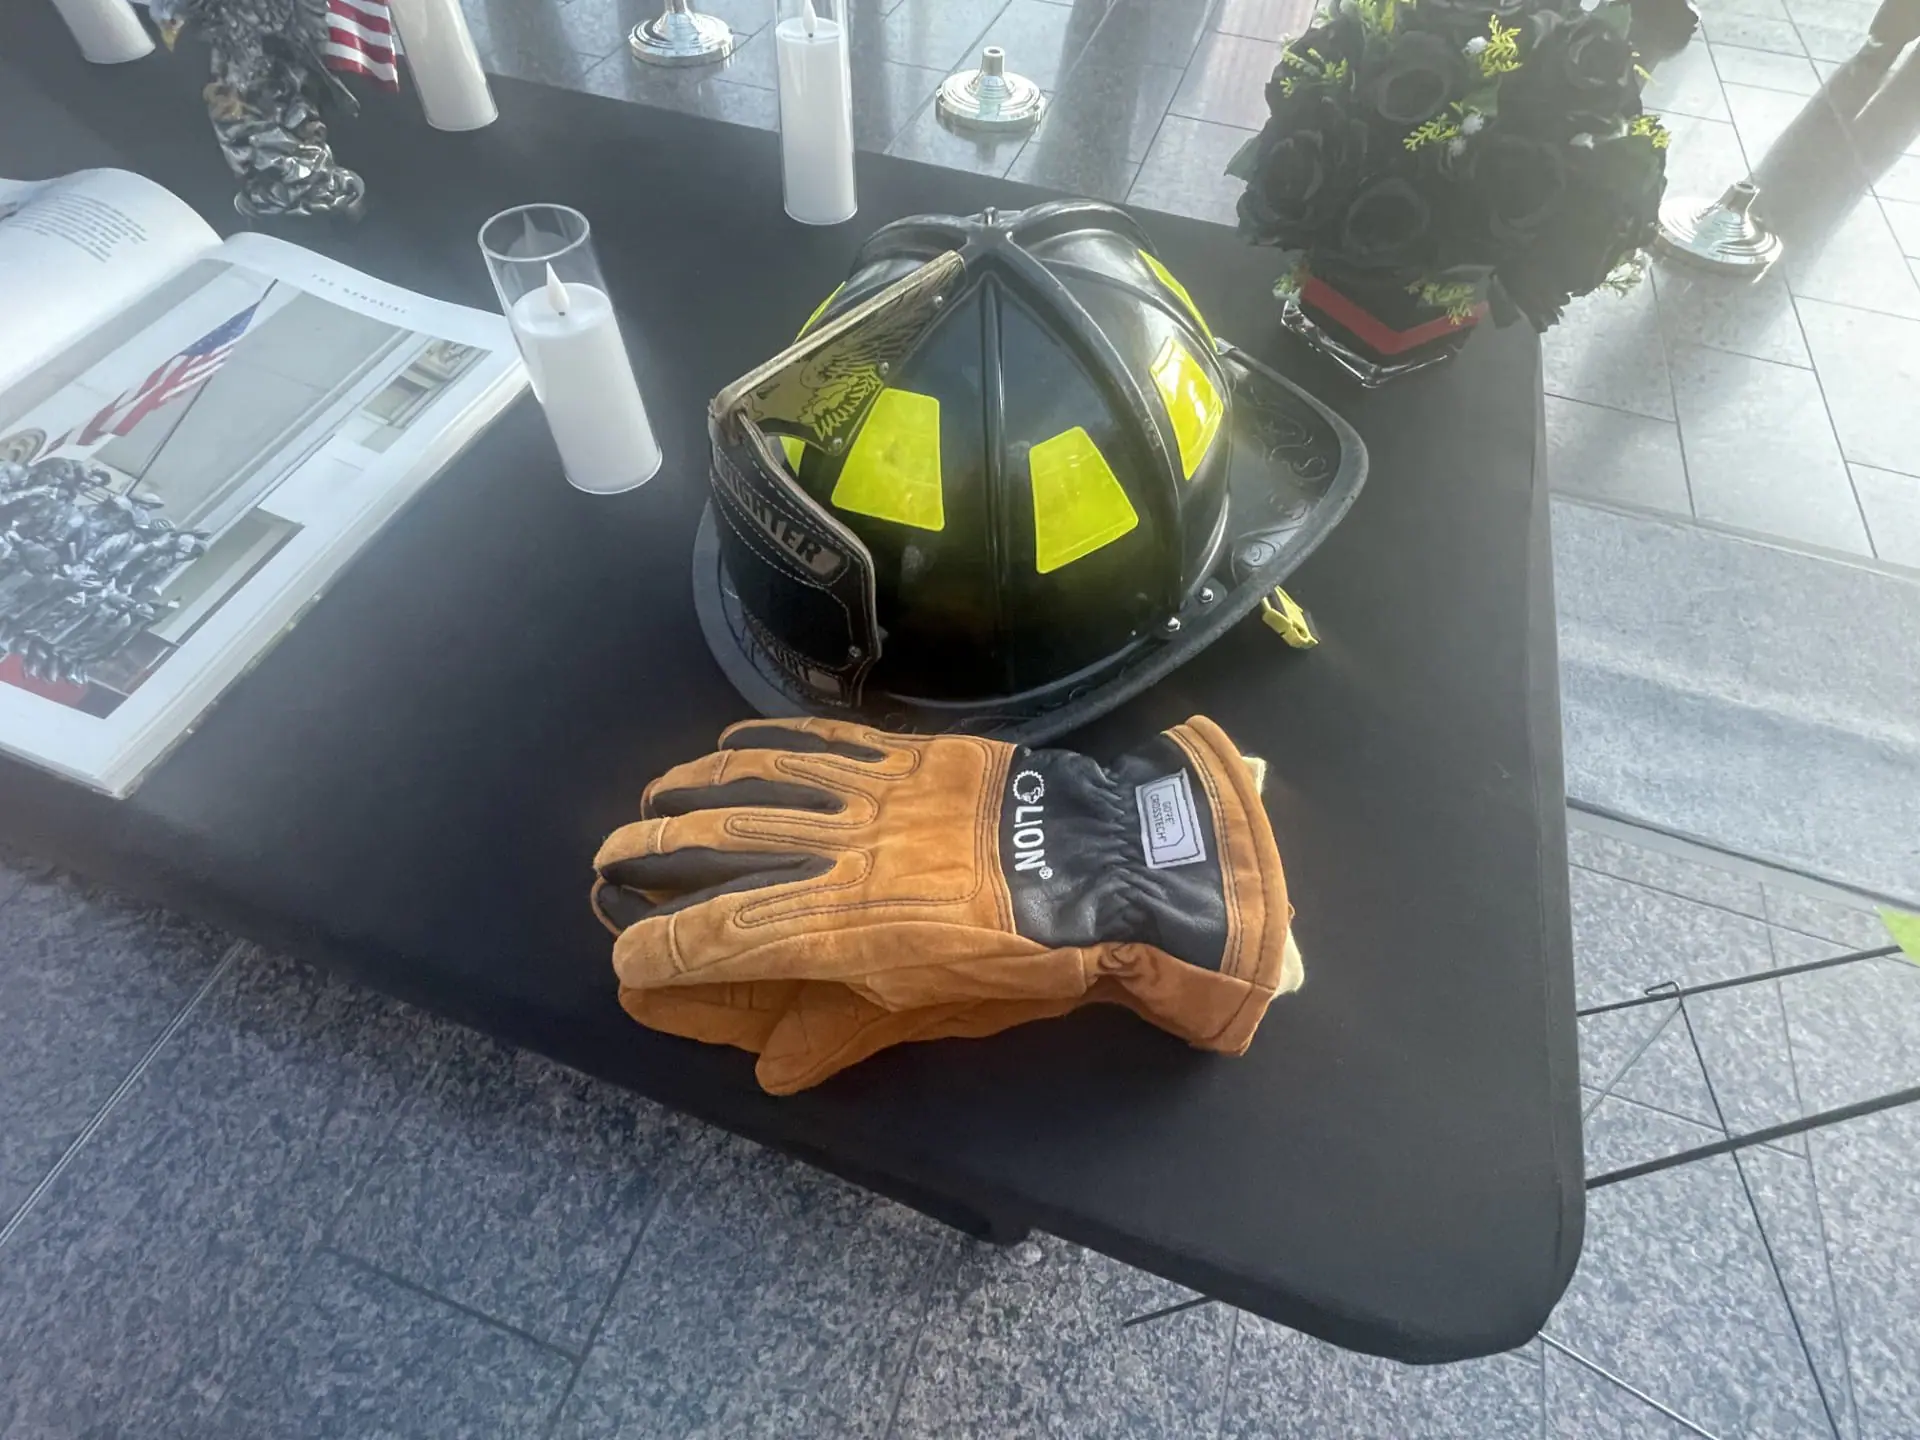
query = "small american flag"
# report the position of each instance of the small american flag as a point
(360, 41)
(174, 378)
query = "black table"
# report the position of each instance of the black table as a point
(410, 786)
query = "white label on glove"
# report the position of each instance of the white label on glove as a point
(1169, 825)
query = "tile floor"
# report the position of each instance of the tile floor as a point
(239, 1198)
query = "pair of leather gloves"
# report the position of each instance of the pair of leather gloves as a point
(815, 891)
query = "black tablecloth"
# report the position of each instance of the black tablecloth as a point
(411, 784)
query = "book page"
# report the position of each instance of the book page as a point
(209, 459)
(76, 249)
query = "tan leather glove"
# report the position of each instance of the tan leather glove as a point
(815, 891)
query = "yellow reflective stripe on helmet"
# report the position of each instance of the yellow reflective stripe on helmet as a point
(1166, 278)
(1078, 502)
(795, 450)
(1191, 400)
(893, 470)
(821, 309)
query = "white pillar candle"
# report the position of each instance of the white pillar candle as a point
(584, 381)
(816, 118)
(108, 30)
(444, 65)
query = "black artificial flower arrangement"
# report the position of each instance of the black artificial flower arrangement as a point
(1458, 151)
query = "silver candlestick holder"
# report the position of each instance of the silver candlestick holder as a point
(1725, 236)
(991, 98)
(681, 35)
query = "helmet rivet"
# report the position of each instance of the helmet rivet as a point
(837, 444)
(854, 652)
(883, 367)
(1171, 626)
(1206, 595)
(938, 301)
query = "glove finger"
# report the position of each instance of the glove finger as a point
(732, 780)
(812, 736)
(646, 886)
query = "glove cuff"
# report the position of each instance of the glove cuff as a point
(1259, 949)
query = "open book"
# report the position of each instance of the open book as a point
(195, 438)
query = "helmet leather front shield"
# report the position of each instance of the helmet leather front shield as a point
(786, 553)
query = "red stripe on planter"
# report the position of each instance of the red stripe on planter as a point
(1338, 308)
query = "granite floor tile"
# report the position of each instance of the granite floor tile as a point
(1664, 870)
(1763, 115)
(1584, 1406)
(1703, 158)
(1867, 1176)
(1013, 1349)
(1765, 69)
(1610, 455)
(1857, 262)
(550, 39)
(1725, 314)
(16, 868)
(1904, 217)
(1761, 452)
(1674, 1294)
(1607, 351)
(1830, 42)
(1772, 9)
(135, 1288)
(354, 1355)
(1627, 938)
(1870, 368)
(543, 64)
(1168, 30)
(1289, 1384)
(1848, 927)
(1853, 15)
(766, 1300)
(1043, 41)
(88, 982)
(515, 1186)
(1891, 504)
(1786, 1194)
(1686, 84)
(1098, 129)
(1620, 1132)
(1855, 1028)
(924, 138)
(1226, 81)
(1185, 171)
(1612, 1040)
(1743, 1060)
(938, 34)
(1751, 31)
(754, 62)
(885, 97)
(697, 92)
(1264, 19)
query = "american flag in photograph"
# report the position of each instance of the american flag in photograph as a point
(360, 41)
(174, 378)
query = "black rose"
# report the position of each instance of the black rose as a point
(1579, 76)
(1300, 173)
(1387, 227)
(1518, 185)
(1414, 80)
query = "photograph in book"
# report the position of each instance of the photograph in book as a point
(188, 452)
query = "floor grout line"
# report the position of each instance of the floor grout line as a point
(494, 1322)
(1226, 1377)
(1636, 1392)
(121, 1091)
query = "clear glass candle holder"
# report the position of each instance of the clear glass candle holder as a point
(548, 278)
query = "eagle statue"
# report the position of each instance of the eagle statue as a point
(270, 76)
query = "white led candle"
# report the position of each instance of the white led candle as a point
(107, 30)
(816, 111)
(444, 64)
(549, 281)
